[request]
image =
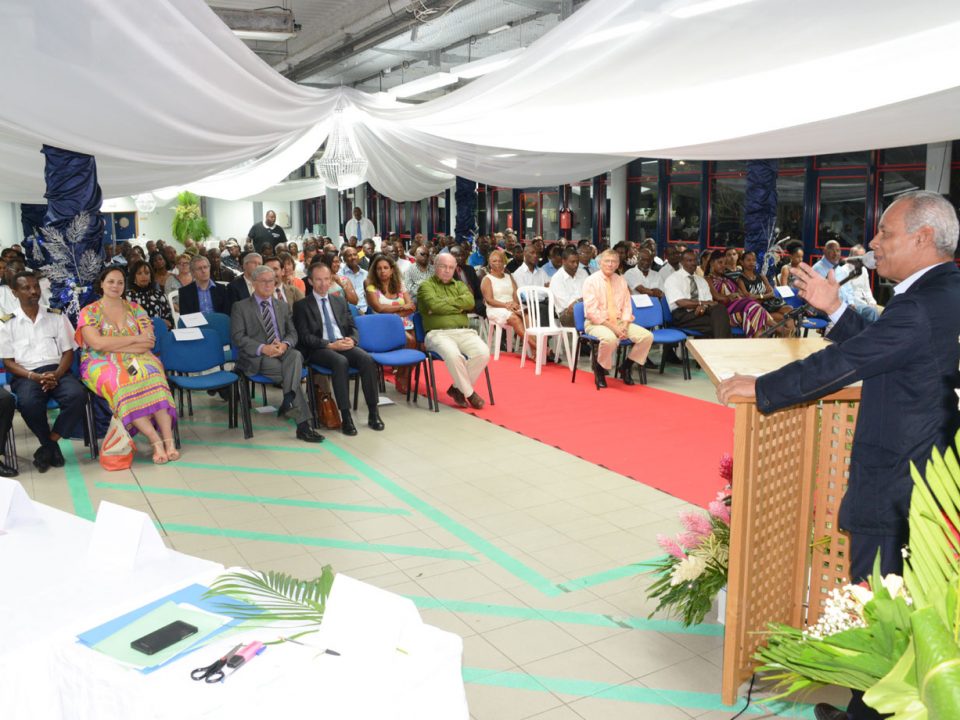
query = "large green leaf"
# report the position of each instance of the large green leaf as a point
(276, 596)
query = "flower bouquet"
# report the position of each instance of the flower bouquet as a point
(897, 639)
(695, 567)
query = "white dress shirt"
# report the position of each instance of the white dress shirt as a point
(362, 230)
(36, 344)
(899, 288)
(567, 289)
(677, 287)
(330, 334)
(358, 279)
(635, 277)
(525, 276)
(665, 271)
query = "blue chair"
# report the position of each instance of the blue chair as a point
(579, 322)
(651, 318)
(431, 356)
(160, 330)
(383, 336)
(248, 385)
(180, 358)
(220, 324)
(807, 323)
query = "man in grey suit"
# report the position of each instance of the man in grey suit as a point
(263, 333)
(328, 337)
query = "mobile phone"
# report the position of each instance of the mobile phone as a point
(163, 638)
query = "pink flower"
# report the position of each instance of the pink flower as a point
(690, 540)
(719, 510)
(726, 467)
(695, 522)
(671, 546)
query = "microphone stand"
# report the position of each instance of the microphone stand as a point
(806, 308)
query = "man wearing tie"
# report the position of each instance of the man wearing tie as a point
(691, 303)
(360, 227)
(263, 333)
(328, 337)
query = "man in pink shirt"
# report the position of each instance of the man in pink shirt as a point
(608, 311)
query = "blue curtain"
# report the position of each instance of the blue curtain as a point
(466, 197)
(69, 249)
(760, 207)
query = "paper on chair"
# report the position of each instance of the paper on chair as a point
(641, 301)
(785, 291)
(192, 320)
(188, 333)
(123, 538)
(16, 507)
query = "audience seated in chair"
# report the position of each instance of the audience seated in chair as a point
(691, 302)
(444, 302)
(756, 286)
(418, 272)
(643, 279)
(567, 286)
(142, 289)
(467, 275)
(117, 363)
(37, 344)
(264, 335)
(7, 407)
(242, 287)
(386, 294)
(744, 312)
(500, 294)
(284, 292)
(857, 293)
(355, 274)
(339, 285)
(203, 295)
(289, 276)
(608, 314)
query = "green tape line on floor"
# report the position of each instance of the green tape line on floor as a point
(628, 693)
(258, 499)
(322, 542)
(253, 471)
(82, 507)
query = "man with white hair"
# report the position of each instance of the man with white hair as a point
(443, 303)
(857, 292)
(242, 287)
(908, 361)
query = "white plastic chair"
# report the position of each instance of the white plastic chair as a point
(530, 298)
(173, 299)
(495, 336)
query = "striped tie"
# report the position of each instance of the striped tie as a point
(268, 321)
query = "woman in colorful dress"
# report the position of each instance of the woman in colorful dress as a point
(143, 290)
(755, 285)
(117, 363)
(386, 294)
(745, 312)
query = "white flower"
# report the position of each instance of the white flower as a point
(688, 569)
(860, 594)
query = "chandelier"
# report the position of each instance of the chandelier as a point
(342, 166)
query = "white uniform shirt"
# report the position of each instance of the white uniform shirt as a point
(525, 276)
(677, 287)
(35, 344)
(566, 289)
(665, 271)
(634, 277)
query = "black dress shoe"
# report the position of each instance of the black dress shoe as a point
(374, 421)
(672, 358)
(41, 459)
(599, 375)
(626, 372)
(822, 711)
(7, 471)
(286, 405)
(346, 423)
(56, 457)
(651, 365)
(308, 434)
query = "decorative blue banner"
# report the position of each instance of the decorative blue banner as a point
(760, 207)
(466, 197)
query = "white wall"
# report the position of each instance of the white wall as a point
(230, 218)
(10, 231)
(293, 226)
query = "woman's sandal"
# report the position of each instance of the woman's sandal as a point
(161, 460)
(172, 453)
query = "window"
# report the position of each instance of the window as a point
(503, 205)
(790, 207)
(726, 211)
(549, 215)
(842, 210)
(581, 205)
(910, 155)
(685, 212)
(896, 182)
(643, 199)
(857, 159)
(529, 214)
(681, 167)
(482, 209)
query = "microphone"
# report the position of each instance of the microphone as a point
(866, 260)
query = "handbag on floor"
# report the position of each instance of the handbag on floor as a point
(117, 448)
(327, 410)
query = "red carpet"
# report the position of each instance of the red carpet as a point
(668, 441)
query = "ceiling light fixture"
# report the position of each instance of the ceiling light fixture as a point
(422, 85)
(343, 165)
(485, 65)
(267, 25)
(495, 30)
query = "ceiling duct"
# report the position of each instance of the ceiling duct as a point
(273, 25)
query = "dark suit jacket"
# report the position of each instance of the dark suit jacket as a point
(908, 362)
(248, 334)
(236, 290)
(190, 298)
(468, 275)
(308, 321)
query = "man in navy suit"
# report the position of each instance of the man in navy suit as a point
(908, 362)
(203, 294)
(328, 337)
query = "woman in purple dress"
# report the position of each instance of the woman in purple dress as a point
(745, 312)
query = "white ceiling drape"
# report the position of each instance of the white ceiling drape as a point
(163, 94)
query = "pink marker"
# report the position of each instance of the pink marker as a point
(243, 656)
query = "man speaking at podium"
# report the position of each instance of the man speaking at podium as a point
(908, 362)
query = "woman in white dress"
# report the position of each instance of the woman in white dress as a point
(499, 291)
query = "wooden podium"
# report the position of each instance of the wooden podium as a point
(789, 474)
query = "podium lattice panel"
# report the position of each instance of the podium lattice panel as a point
(829, 561)
(768, 562)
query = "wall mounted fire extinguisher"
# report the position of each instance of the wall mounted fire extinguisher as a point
(566, 219)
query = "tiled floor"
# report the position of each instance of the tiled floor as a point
(524, 551)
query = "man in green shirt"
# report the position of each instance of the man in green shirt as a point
(444, 303)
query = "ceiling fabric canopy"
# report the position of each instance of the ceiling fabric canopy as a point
(163, 94)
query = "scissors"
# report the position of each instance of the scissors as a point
(214, 673)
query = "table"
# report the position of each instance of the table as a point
(51, 594)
